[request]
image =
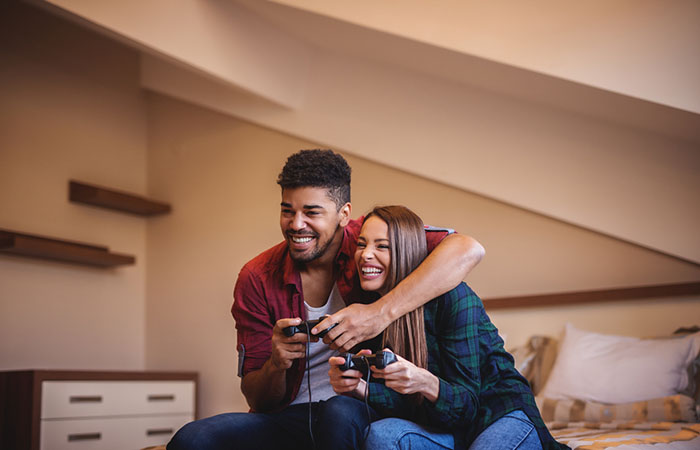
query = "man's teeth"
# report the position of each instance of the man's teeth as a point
(301, 240)
(370, 270)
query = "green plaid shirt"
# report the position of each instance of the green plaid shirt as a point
(478, 381)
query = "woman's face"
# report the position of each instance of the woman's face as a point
(373, 254)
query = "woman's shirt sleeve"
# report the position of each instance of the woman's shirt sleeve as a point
(454, 358)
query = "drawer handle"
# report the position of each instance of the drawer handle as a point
(159, 431)
(85, 437)
(161, 398)
(85, 399)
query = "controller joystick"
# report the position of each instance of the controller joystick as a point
(306, 327)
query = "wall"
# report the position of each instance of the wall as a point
(221, 173)
(71, 109)
(618, 45)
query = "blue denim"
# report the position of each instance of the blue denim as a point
(393, 433)
(512, 431)
(337, 423)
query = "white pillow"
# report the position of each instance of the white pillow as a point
(617, 369)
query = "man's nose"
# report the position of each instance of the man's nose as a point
(298, 222)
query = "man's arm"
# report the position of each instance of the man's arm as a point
(264, 388)
(443, 269)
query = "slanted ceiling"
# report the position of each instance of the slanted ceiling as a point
(588, 113)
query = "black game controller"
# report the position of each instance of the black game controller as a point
(306, 327)
(380, 360)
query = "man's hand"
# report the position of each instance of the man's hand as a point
(286, 349)
(406, 378)
(355, 323)
(348, 381)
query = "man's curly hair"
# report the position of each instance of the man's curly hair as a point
(318, 168)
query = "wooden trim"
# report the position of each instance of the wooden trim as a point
(596, 296)
(60, 250)
(89, 194)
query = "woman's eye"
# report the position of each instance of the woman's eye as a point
(385, 247)
(361, 245)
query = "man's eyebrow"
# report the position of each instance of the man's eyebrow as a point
(289, 205)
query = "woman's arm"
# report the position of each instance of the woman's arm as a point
(455, 363)
(443, 269)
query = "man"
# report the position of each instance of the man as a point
(311, 274)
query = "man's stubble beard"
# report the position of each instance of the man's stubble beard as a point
(316, 252)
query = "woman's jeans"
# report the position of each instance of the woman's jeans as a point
(512, 431)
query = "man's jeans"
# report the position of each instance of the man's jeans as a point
(337, 423)
(512, 431)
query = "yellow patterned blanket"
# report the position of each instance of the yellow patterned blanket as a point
(627, 435)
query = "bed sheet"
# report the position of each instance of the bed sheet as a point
(627, 435)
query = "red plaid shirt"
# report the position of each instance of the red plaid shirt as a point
(269, 288)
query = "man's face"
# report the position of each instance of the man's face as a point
(311, 223)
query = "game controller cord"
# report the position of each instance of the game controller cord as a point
(308, 384)
(369, 416)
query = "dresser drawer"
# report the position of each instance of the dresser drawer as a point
(119, 433)
(66, 399)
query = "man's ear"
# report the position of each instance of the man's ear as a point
(344, 213)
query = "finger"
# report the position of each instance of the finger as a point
(287, 322)
(364, 351)
(334, 332)
(300, 338)
(339, 343)
(336, 361)
(348, 343)
(324, 325)
(351, 374)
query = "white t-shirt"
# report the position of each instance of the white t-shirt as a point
(318, 355)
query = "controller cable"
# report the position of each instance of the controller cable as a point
(369, 416)
(308, 384)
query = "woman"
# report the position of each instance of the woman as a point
(453, 386)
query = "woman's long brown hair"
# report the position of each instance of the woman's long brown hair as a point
(406, 335)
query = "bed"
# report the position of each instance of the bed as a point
(598, 391)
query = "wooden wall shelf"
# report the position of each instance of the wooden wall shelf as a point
(60, 250)
(80, 192)
(602, 295)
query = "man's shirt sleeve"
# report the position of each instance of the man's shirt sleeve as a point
(253, 323)
(434, 235)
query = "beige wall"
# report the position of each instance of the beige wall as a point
(550, 115)
(70, 108)
(222, 172)
(617, 45)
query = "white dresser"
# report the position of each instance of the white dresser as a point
(61, 410)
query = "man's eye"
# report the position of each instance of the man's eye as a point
(312, 213)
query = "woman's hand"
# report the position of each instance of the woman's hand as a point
(348, 381)
(406, 378)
